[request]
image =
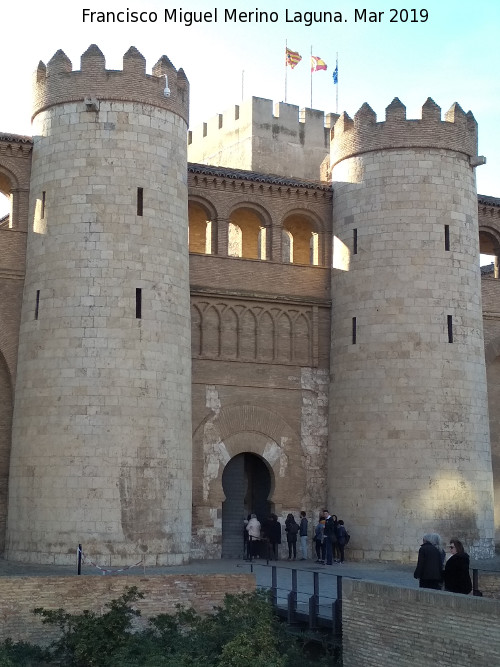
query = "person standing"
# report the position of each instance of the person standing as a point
(329, 536)
(429, 567)
(291, 529)
(341, 539)
(253, 529)
(303, 535)
(274, 536)
(319, 540)
(456, 572)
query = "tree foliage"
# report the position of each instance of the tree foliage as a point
(242, 632)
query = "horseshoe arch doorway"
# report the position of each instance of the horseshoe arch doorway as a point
(247, 484)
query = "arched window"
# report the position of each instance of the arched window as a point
(489, 249)
(200, 229)
(5, 210)
(253, 239)
(303, 241)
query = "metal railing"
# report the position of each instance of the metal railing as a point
(303, 597)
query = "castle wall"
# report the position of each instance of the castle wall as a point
(260, 347)
(15, 167)
(101, 448)
(409, 436)
(288, 141)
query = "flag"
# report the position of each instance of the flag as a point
(317, 64)
(336, 74)
(292, 58)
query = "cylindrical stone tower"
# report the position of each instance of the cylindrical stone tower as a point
(101, 449)
(409, 436)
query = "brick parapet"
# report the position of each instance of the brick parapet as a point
(363, 134)
(57, 83)
(385, 624)
(162, 593)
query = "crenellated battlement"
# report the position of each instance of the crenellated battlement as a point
(457, 132)
(255, 135)
(57, 82)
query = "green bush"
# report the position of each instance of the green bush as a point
(242, 632)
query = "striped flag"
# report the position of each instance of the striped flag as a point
(292, 58)
(317, 64)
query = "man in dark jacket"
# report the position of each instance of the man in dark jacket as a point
(329, 533)
(429, 567)
(303, 535)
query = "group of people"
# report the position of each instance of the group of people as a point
(263, 540)
(434, 570)
(330, 538)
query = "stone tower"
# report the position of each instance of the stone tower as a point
(101, 451)
(409, 448)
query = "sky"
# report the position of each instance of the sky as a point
(446, 50)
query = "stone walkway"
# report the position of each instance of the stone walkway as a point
(388, 572)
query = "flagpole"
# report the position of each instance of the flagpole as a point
(311, 77)
(286, 47)
(337, 89)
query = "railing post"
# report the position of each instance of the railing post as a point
(274, 585)
(292, 599)
(475, 583)
(337, 610)
(314, 603)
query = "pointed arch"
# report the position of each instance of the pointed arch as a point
(302, 340)
(229, 334)
(211, 325)
(248, 336)
(265, 343)
(284, 338)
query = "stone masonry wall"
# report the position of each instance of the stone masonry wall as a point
(101, 449)
(408, 406)
(286, 141)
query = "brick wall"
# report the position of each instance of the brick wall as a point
(399, 627)
(20, 595)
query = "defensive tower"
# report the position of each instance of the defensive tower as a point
(409, 436)
(101, 451)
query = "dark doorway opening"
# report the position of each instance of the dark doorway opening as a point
(246, 482)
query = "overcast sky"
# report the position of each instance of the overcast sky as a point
(453, 56)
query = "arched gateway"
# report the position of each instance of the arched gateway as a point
(247, 484)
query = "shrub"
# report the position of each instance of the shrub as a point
(242, 632)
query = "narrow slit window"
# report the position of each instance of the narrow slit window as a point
(354, 241)
(140, 200)
(138, 303)
(37, 303)
(354, 331)
(42, 214)
(447, 237)
(450, 328)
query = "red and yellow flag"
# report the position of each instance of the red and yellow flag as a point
(292, 58)
(317, 64)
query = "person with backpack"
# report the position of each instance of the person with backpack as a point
(291, 529)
